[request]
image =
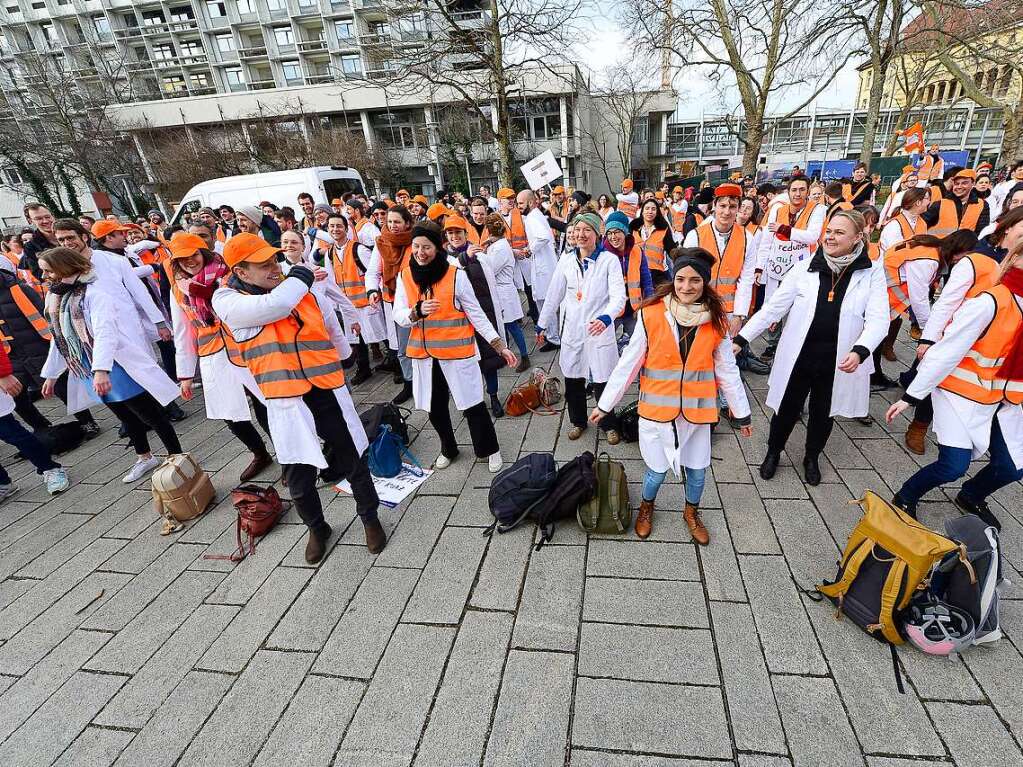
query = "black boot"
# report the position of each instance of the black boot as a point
(770, 464)
(495, 406)
(906, 507)
(175, 413)
(812, 470)
(404, 395)
(980, 508)
(361, 376)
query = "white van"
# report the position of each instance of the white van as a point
(323, 182)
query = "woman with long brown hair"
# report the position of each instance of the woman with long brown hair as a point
(391, 254)
(681, 352)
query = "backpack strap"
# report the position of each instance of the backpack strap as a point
(521, 518)
(850, 569)
(889, 597)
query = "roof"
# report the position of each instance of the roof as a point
(961, 20)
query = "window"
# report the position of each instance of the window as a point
(216, 10)
(225, 43)
(174, 84)
(275, 5)
(235, 78)
(181, 13)
(536, 119)
(191, 48)
(292, 72)
(152, 18)
(379, 28)
(102, 26)
(402, 129)
(351, 64)
(199, 81)
(345, 31)
(284, 36)
(12, 176)
(49, 33)
(163, 52)
(246, 6)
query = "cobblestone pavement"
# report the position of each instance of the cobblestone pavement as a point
(122, 647)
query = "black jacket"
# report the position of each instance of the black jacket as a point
(30, 258)
(930, 216)
(28, 348)
(489, 359)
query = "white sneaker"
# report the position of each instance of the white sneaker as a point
(442, 462)
(56, 480)
(6, 491)
(141, 468)
(495, 462)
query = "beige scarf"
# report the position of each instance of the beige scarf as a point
(688, 316)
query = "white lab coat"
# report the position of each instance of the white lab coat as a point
(116, 338)
(118, 276)
(374, 278)
(463, 376)
(499, 258)
(541, 251)
(918, 276)
(679, 442)
(579, 297)
(6, 401)
(292, 429)
(958, 283)
(891, 233)
(371, 319)
(958, 421)
(744, 287)
(779, 256)
(863, 321)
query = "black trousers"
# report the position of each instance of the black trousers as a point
(812, 376)
(29, 413)
(168, 358)
(481, 428)
(141, 413)
(893, 333)
(575, 402)
(246, 433)
(332, 429)
(532, 310)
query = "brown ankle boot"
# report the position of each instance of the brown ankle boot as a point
(316, 546)
(696, 528)
(916, 437)
(376, 538)
(259, 462)
(645, 519)
(888, 351)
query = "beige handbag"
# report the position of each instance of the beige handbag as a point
(181, 490)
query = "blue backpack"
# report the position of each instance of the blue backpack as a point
(385, 454)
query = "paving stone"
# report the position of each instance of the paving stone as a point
(499, 582)
(887, 761)
(147, 689)
(666, 719)
(58, 721)
(311, 728)
(248, 575)
(472, 509)
(583, 758)
(860, 480)
(789, 643)
(647, 654)
(808, 546)
(548, 615)
(762, 760)
(95, 747)
(442, 590)
(170, 730)
(974, 735)
(786, 484)
(721, 575)
(38, 541)
(936, 678)
(246, 633)
(134, 645)
(751, 529)
(533, 711)
(143, 549)
(11, 590)
(840, 516)
(815, 723)
(657, 561)
(358, 641)
(1003, 690)
(251, 708)
(414, 538)
(751, 704)
(460, 717)
(390, 719)
(652, 603)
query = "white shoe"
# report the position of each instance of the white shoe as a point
(56, 480)
(141, 468)
(6, 491)
(442, 462)
(495, 462)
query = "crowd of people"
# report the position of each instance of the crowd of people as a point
(277, 311)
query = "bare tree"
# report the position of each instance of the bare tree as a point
(765, 46)
(912, 70)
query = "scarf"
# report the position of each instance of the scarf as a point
(391, 247)
(838, 263)
(198, 290)
(66, 315)
(1012, 368)
(687, 315)
(430, 274)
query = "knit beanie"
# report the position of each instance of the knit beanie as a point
(591, 220)
(430, 231)
(251, 212)
(617, 221)
(324, 208)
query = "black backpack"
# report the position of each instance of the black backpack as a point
(386, 413)
(61, 437)
(628, 422)
(576, 484)
(517, 489)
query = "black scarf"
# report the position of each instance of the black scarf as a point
(429, 275)
(244, 287)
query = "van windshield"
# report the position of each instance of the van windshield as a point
(336, 187)
(186, 207)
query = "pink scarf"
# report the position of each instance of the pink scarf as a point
(198, 290)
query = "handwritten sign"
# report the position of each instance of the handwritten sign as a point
(393, 490)
(541, 170)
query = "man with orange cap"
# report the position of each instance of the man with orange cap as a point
(959, 206)
(678, 207)
(516, 236)
(628, 200)
(418, 206)
(288, 336)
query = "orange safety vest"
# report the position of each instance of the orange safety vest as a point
(698, 217)
(898, 290)
(949, 221)
(630, 209)
(873, 251)
(848, 194)
(976, 375)
(633, 280)
(678, 219)
(209, 339)
(31, 313)
(752, 228)
(653, 248)
(446, 334)
(667, 386)
(728, 265)
(802, 220)
(516, 234)
(471, 234)
(348, 276)
(985, 272)
(292, 355)
(388, 291)
(910, 231)
(26, 276)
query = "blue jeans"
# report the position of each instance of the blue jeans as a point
(17, 436)
(514, 329)
(491, 379)
(695, 480)
(953, 462)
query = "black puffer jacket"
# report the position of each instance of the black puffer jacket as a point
(30, 258)
(489, 359)
(28, 348)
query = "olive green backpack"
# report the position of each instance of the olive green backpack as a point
(608, 512)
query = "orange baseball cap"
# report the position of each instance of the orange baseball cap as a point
(676, 189)
(728, 190)
(183, 245)
(102, 228)
(455, 221)
(336, 201)
(505, 193)
(248, 247)
(964, 173)
(658, 195)
(401, 192)
(437, 210)
(626, 183)
(558, 190)
(421, 199)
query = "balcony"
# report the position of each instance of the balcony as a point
(312, 46)
(203, 91)
(381, 73)
(193, 59)
(253, 52)
(319, 79)
(262, 85)
(374, 40)
(183, 25)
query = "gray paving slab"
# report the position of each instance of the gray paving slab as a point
(548, 615)
(95, 747)
(443, 589)
(647, 654)
(413, 540)
(500, 577)
(248, 575)
(974, 735)
(807, 543)
(815, 723)
(651, 603)
(648, 560)
(584, 758)
(750, 527)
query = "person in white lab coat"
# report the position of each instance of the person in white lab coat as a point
(289, 337)
(838, 313)
(106, 356)
(542, 257)
(585, 296)
(201, 342)
(496, 253)
(681, 351)
(974, 375)
(435, 300)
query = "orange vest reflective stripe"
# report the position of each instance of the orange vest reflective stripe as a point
(633, 279)
(347, 274)
(446, 334)
(653, 249)
(25, 275)
(920, 227)
(630, 209)
(292, 355)
(516, 234)
(30, 312)
(667, 386)
(849, 195)
(976, 375)
(985, 272)
(678, 218)
(388, 291)
(949, 221)
(209, 339)
(802, 220)
(898, 290)
(728, 265)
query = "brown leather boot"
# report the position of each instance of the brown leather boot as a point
(376, 538)
(316, 546)
(888, 351)
(696, 528)
(259, 462)
(916, 437)
(645, 519)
